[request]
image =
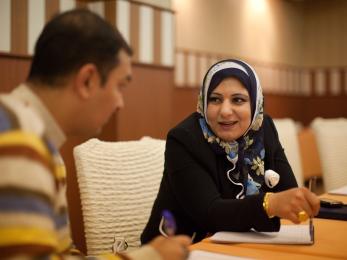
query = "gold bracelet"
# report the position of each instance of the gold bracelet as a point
(266, 204)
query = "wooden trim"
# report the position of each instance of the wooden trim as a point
(19, 26)
(152, 6)
(157, 37)
(110, 12)
(15, 55)
(133, 2)
(252, 61)
(134, 31)
(154, 66)
(52, 8)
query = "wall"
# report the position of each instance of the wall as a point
(296, 47)
(324, 36)
(262, 32)
(309, 33)
(14, 70)
(148, 104)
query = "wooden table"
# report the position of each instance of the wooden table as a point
(330, 243)
(236, 250)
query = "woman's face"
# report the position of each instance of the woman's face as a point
(229, 110)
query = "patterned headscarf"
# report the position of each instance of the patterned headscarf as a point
(247, 152)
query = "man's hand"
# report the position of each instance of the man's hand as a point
(172, 248)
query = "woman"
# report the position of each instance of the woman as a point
(225, 169)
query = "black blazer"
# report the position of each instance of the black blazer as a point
(196, 190)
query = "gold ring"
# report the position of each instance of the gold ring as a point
(302, 216)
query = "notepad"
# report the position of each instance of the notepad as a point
(339, 191)
(204, 255)
(288, 234)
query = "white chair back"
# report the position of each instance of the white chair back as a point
(288, 135)
(331, 137)
(118, 183)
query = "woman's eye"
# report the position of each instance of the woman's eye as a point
(214, 100)
(239, 100)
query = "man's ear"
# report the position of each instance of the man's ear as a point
(87, 78)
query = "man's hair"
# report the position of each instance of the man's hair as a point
(69, 41)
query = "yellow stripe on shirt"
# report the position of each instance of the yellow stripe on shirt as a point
(111, 257)
(18, 137)
(23, 236)
(60, 172)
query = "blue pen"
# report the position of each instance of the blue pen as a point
(167, 224)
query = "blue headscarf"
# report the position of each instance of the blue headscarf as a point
(247, 152)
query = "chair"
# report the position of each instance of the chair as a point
(118, 183)
(331, 137)
(288, 135)
(311, 165)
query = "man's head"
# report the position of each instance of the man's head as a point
(84, 59)
(71, 40)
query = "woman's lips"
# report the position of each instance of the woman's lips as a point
(227, 125)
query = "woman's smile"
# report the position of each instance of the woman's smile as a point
(227, 125)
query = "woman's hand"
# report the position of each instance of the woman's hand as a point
(287, 204)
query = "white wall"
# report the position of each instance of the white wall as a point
(310, 33)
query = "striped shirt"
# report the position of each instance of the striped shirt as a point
(33, 206)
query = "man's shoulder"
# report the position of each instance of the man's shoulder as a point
(22, 133)
(15, 115)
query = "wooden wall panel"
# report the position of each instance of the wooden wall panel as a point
(19, 26)
(157, 37)
(141, 23)
(110, 12)
(52, 8)
(184, 101)
(134, 30)
(278, 106)
(326, 107)
(147, 104)
(14, 70)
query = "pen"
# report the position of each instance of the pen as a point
(167, 226)
(311, 187)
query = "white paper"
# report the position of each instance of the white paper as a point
(339, 191)
(288, 234)
(205, 255)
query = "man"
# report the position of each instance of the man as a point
(74, 85)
